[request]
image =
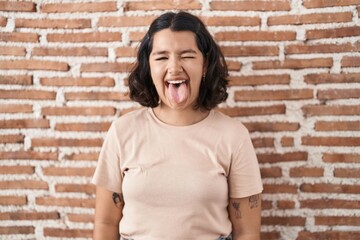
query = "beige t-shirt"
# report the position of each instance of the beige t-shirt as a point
(176, 180)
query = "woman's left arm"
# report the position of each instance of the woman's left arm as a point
(245, 216)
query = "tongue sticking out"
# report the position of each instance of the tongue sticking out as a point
(178, 92)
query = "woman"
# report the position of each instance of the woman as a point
(177, 169)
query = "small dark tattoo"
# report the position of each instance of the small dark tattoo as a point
(254, 201)
(236, 206)
(118, 199)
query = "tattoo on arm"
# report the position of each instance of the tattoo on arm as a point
(254, 201)
(118, 199)
(236, 206)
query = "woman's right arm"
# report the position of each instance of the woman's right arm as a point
(108, 213)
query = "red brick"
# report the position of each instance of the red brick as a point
(26, 215)
(85, 218)
(319, 78)
(294, 63)
(328, 235)
(68, 171)
(306, 172)
(231, 21)
(16, 108)
(87, 111)
(330, 141)
(13, 138)
(136, 36)
(350, 61)
(333, 33)
(13, 51)
(287, 141)
(337, 126)
(27, 94)
(17, 230)
(347, 173)
(24, 123)
(34, 65)
(106, 67)
(126, 52)
(3, 22)
(273, 172)
(236, 51)
(79, 7)
(66, 202)
(92, 127)
(110, 96)
(286, 204)
(266, 204)
(68, 233)
(253, 111)
(255, 36)
(162, 5)
(279, 188)
(338, 94)
(66, 142)
(271, 126)
(16, 79)
(286, 157)
(85, 37)
(329, 203)
(336, 221)
(262, 95)
(23, 184)
(19, 37)
(255, 80)
(53, 23)
(19, 6)
(283, 221)
(233, 65)
(13, 200)
(330, 188)
(263, 142)
(72, 51)
(341, 158)
(270, 235)
(336, 110)
(76, 188)
(83, 81)
(312, 18)
(125, 21)
(250, 5)
(29, 155)
(17, 169)
(329, 3)
(321, 48)
(83, 156)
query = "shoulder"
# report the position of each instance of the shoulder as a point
(130, 120)
(228, 123)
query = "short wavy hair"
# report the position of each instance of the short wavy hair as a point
(212, 88)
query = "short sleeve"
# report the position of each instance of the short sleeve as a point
(244, 177)
(108, 172)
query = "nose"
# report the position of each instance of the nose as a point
(174, 66)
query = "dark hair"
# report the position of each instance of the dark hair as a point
(212, 88)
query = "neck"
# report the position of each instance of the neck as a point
(178, 117)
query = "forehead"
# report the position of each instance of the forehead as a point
(168, 40)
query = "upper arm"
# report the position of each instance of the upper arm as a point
(245, 217)
(108, 213)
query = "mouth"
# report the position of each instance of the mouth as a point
(176, 83)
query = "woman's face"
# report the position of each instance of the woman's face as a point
(177, 67)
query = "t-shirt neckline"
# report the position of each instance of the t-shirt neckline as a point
(153, 117)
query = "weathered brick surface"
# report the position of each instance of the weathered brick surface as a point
(294, 71)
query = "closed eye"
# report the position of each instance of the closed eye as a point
(191, 57)
(160, 58)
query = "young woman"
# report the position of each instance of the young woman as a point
(177, 169)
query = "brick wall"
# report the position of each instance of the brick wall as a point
(295, 71)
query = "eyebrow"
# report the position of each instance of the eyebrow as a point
(181, 52)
